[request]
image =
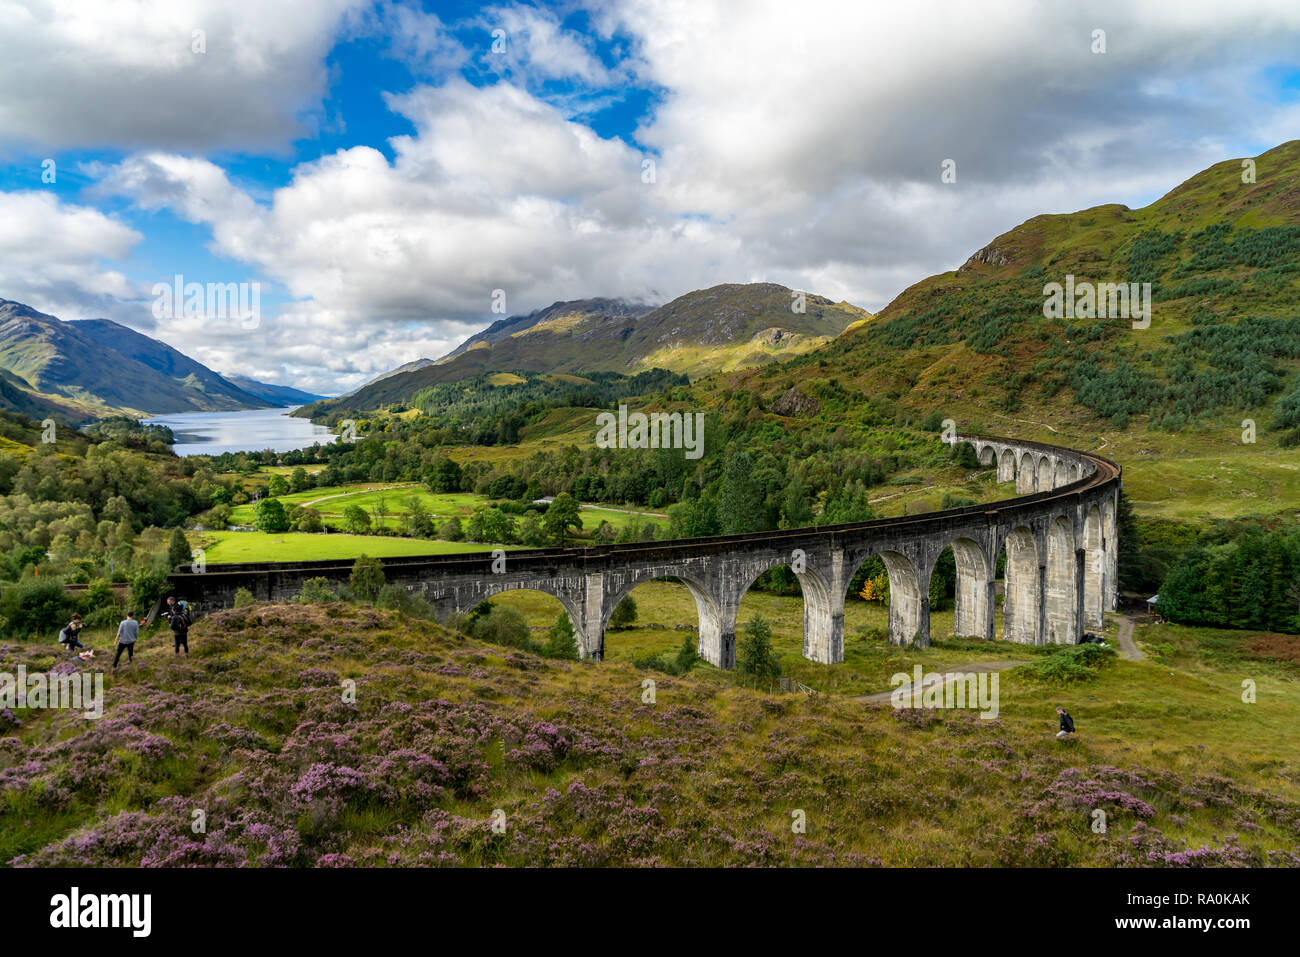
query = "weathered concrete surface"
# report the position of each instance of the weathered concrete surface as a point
(1060, 569)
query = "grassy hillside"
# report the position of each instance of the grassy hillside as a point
(569, 313)
(253, 728)
(1174, 403)
(17, 396)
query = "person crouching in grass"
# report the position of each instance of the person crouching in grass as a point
(1067, 724)
(68, 636)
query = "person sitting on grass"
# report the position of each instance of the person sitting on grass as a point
(1067, 724)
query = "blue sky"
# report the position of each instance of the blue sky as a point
(381, 169)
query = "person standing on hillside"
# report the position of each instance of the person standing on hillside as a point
(1067, 724)
(179, 618)
(127, 632)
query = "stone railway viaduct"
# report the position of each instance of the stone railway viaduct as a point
(1059, 534)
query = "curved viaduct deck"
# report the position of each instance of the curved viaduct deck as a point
(1059, 534)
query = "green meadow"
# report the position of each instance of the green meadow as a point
(300, 546)
(396, 498)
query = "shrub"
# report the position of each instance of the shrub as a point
(397, 598)
(502, 626)
(755, 657)
(270, 516)
(178, 549)
(309, 520)
(367, 578)
(687, 656)
(105, 616)
(356, 521)
(243, 598)
(1068, 664)
(98, 594)
(315, 591)
(216, 517)
(677, 664)
(624, 613)
(963, 454)
(146, 588)
(560, 642)
(34, 606)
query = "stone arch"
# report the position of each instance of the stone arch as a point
(985, 453)
(908, 616)
(1007, 465)
(1026, 475)
(1021, 601)
(709, 629)
(1094, 571)
(973, 614)
(1060, 473)
(822, 641)
(1044, 474)
(589, 645)
(1060, 602)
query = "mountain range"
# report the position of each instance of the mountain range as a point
(85, 369)
(722, 328)
(1209, 386)
(277, 395)
(1220, 252)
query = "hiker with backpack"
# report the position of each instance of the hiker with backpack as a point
(178, 616)
(68, 636)
(127, 633)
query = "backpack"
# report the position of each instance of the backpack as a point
(63, 636)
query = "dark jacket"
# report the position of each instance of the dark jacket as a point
(1067, 723)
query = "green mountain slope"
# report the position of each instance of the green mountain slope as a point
(725, 327)
(558, 312)
(97, 367)
(15, 396)
(1222, 258)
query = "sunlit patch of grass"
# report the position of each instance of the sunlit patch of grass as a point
(301, 546)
